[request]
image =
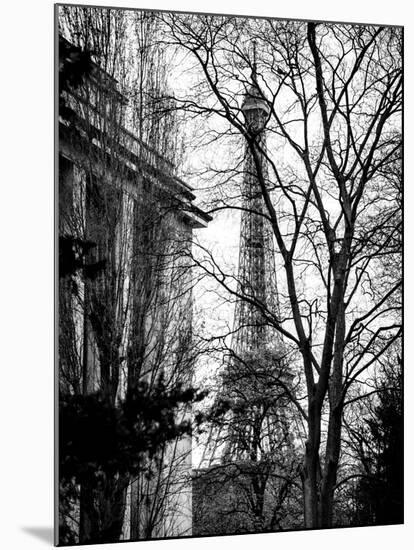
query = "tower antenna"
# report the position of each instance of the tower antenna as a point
(254, 70)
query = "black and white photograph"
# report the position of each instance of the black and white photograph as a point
(229, 237)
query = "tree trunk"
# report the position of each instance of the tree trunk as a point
(135, 510)
(311, 473)
(259, 486)
(102, 511)
(309, 503)
(89, 520)
(333, 445)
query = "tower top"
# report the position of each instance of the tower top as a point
(253, 99)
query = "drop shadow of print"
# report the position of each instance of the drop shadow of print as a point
(42, 533)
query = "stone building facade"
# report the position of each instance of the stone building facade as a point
(124, 211)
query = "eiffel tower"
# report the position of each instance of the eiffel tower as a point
(249, 415)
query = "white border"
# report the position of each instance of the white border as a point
(26, 218)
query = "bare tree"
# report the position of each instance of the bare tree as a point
(334, 95)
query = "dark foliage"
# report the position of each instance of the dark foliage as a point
(72, 259)
(74, 65)
(380, 495)
(99, 437)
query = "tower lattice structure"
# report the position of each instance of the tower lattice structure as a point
(256, 270)
(249, 414)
